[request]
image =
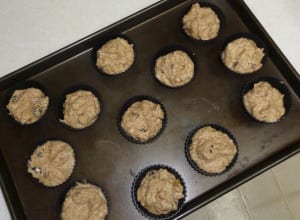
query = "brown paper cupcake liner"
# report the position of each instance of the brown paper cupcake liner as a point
(127, 104)
(62, 99)
(250, 36)
(219, 13)
(170, 49)
(19, 86)
(103, 41)
(35, 181)
(274, 83)
(72, 185)
(189, 141)
(136, 183)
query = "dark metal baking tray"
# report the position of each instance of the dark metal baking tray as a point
(105, 156)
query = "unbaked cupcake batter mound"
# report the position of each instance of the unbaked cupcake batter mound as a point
(143, 120)
(160, 192)
(212, 150)
(243, 56)
(52, 163)
(84, 201)
(264, 102)
(81, 109)
(201, 23)
(174, 69)
(115, 57)
(27, 106)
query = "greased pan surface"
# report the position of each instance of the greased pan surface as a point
(104, 156)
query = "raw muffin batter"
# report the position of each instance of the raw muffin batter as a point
(28, 105)
(52, 163)
(84, 201)
(212, 150)
(243, 56)
(143, 120)
(264, 102)
(174, 69)
(115, 57)
(201, 23)
(160, 192)
(81, 109)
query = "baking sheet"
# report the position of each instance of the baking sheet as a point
(105, 156)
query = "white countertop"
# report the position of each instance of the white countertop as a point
(32, 29)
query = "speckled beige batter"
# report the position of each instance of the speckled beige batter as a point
(212, 150)
(174, 69)
(201, 23)
(81, 109)
(264, 102)
(243, 56)
(160, 192)
(84, 202)
(115, 57)
(52, 163)
(143, 120)
(28, 105)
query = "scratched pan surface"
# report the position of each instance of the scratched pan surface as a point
(104, 156)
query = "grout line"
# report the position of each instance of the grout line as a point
(203, 209)
(283, 194)
(244, 202)
(277, 182)
(206, 213)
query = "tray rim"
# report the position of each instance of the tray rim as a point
(91, 36)
(272, 160)
(8, 188)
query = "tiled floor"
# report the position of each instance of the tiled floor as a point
(274, 195)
